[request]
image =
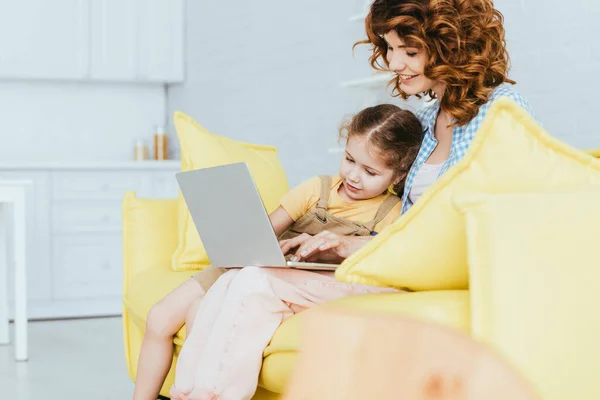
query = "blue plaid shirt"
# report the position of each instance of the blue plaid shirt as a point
(461, 138)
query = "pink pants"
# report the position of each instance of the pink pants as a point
(222, 356)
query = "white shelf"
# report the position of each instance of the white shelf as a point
(358, 17)
(375, 81)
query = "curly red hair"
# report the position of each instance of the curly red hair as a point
(464, 40)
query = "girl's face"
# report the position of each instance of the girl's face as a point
(409, 63)
(363, 172)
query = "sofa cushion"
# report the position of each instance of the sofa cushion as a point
(594, 152)
(202, 149)
(147, 224)
(280, 354)
(425, 249)
(445, 307)
(449, 308)
(535, 285)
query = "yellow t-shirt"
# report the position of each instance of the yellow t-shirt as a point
(305, 196)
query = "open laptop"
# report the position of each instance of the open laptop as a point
(232, 221)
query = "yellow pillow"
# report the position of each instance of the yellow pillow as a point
(147, 224)
(594, 152)
(535, 285)
(425, 248)
(202, 149)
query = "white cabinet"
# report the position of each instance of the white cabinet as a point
(137, 40)
(113, 45)
(160, 40)
(100, 185)
(87, 267)
(74, 231)
(98, 40)
(44, 39)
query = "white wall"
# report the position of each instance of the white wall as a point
(269, 71)
(68, 121)
(556, 59)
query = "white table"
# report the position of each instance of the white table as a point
(14, 193)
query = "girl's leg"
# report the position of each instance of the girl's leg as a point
(156, 354)
(257, 301)
(193, 347)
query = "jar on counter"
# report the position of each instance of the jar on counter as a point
(140, 151)
(161, 145)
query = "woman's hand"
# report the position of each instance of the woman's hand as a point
(325, 247)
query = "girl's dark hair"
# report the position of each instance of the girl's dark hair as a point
(464, 40)
(394, 132)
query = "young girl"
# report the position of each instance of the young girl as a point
(222, 356)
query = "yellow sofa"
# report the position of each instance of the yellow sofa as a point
(150, 236)
(149, 240)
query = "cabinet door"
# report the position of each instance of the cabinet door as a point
(100, 185)
(160, 40)
(41, 39)
(87, 266)
(113, 47)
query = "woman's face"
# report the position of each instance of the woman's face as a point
(409, 63)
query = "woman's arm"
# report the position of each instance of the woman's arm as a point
(280, 220)
(324, 247)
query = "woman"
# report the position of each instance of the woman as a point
(453, 51)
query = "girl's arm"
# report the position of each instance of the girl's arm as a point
(280, 220)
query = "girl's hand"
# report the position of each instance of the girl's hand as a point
(289, 244)
(325, 247)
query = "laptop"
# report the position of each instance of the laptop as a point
(231, 219)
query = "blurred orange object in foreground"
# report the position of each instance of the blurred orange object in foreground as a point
(351, 356)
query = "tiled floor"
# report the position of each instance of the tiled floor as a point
(74, 359)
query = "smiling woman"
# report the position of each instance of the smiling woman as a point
(453, 51)
(455, 47)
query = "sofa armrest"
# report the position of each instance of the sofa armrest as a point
(149, 234)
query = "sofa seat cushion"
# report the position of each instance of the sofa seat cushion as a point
(445, 307)
(449, 308)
